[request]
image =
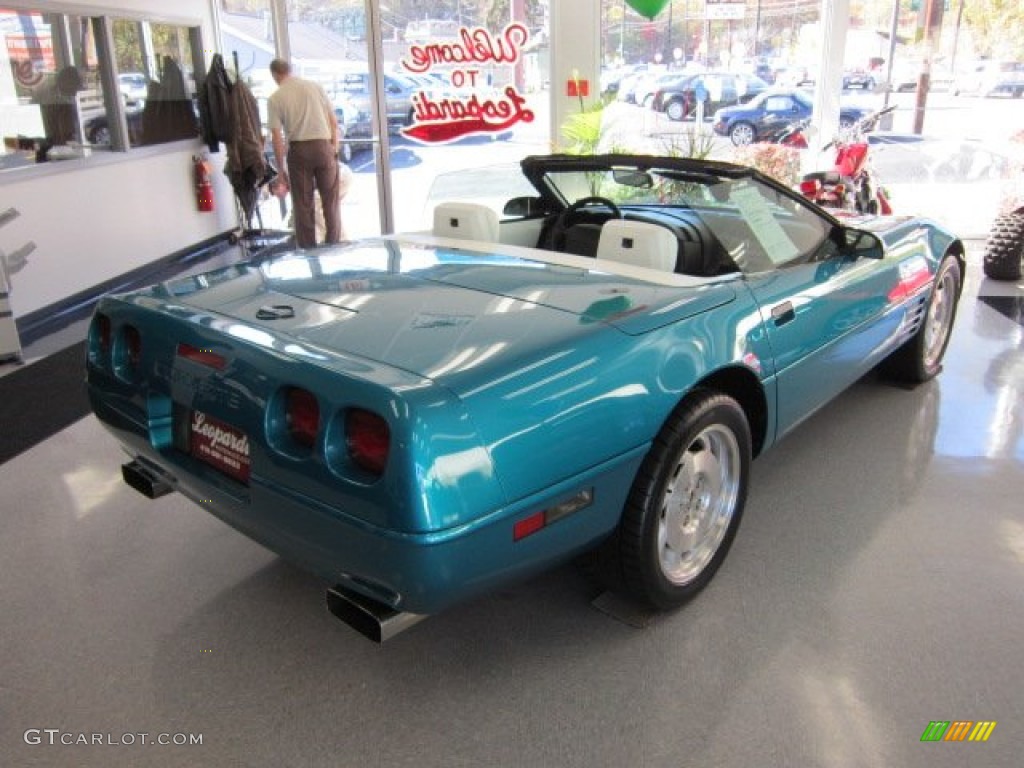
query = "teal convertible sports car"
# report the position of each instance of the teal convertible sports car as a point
(421, 418)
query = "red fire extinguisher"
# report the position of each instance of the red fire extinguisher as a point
(204, 183)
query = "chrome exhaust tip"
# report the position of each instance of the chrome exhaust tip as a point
(144, 481)
(369, 618)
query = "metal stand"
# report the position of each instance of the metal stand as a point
(10, 343)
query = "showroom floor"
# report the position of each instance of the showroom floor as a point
(876, 585)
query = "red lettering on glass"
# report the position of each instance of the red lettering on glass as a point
(476, 46)
(451, 119)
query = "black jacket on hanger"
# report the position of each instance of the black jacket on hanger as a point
(215, 105)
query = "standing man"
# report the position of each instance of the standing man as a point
(300, 110)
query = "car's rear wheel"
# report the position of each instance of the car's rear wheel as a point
(742, 134)
(1004, 251)
(675, 110)
(686, 501)
(920, 358)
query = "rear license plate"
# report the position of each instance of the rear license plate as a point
(220, 445)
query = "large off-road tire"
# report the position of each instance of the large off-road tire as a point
(1004, 250)
(686, 501)
(920, 358)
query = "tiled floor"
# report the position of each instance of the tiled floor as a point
(877, 584)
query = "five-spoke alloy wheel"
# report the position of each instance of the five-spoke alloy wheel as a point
(686, 501)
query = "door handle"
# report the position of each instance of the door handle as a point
(783, 313)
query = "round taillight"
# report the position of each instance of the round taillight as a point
(368, 439)
(302, 416)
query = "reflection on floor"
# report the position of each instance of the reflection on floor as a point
(876, 585)
(1011, 306)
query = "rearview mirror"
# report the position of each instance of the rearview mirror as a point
(631, 178)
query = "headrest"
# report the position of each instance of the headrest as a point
(466, 221)
(638, 243)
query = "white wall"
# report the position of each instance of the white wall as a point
(96, 218)
(575, 48)
(93, 224)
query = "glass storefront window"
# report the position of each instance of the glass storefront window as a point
(49, 85)
(156, 84)
(446, 107)
(54, 104)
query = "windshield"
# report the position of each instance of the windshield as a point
(759, 226)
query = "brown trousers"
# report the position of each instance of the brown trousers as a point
(314, 164)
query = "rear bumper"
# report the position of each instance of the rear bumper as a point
(420, 573)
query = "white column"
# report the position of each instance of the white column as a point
(835, 20)
(575, 46)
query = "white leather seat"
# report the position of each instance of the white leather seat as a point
(466, 221)
(638, 243)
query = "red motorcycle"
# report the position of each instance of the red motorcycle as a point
(850, 185)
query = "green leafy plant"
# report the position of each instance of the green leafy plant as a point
(692, 142)
(583, 131)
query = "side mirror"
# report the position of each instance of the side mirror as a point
(523, 207)
(861, 244)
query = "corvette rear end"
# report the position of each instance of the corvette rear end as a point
(358, 439)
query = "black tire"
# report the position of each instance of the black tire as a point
(920, 358)
(1004, 250)
(674, 497)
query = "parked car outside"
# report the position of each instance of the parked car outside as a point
(611, 78)
(858, 79)
(678, 99)
(97, 128)
(355, 126)
(992, 78)
(769, 111)
(133, 86)
(646, 87)
(906, 76)
(631, 81)
(355, 86)
(796, 76)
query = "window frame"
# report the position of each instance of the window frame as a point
(102, 22)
